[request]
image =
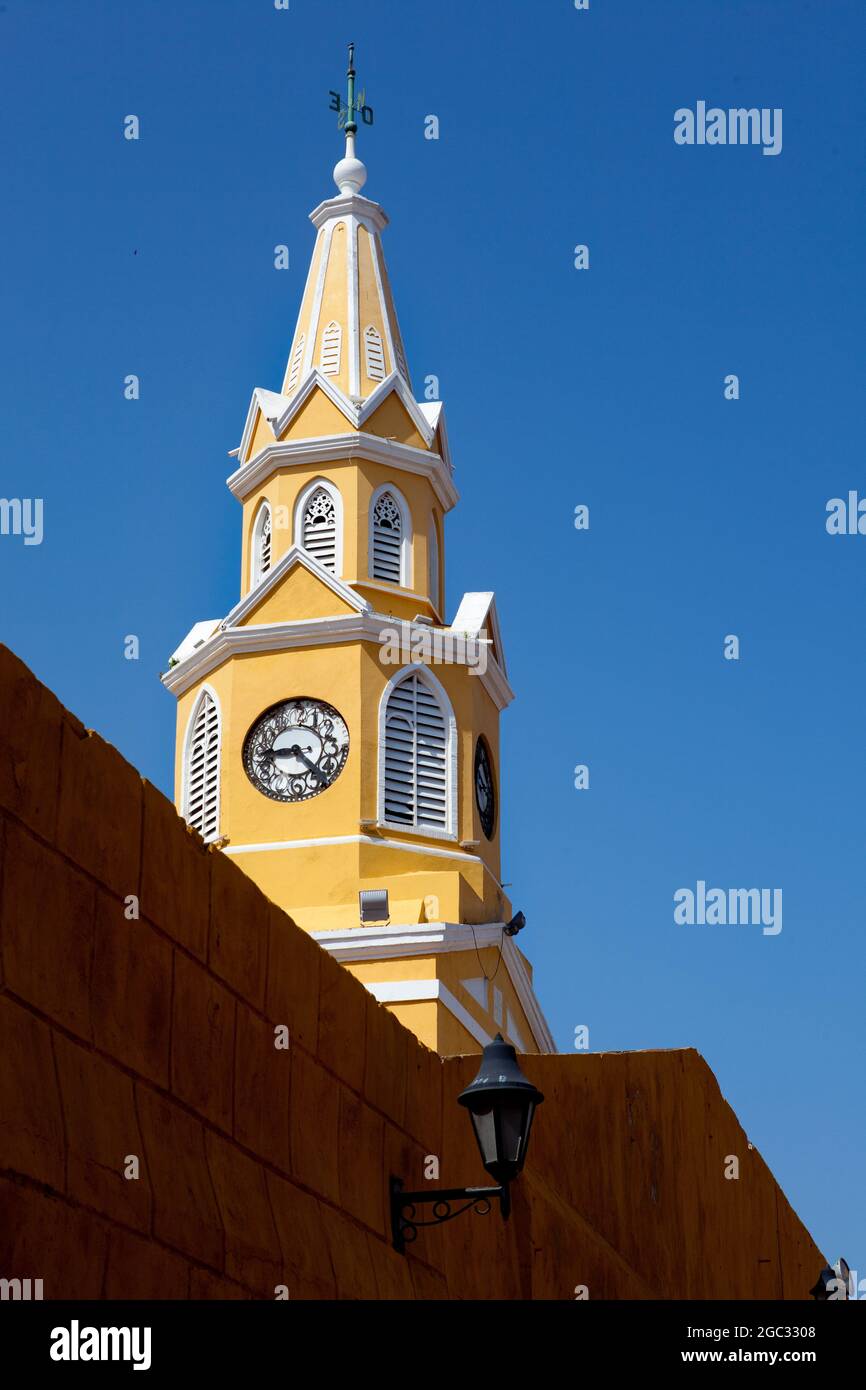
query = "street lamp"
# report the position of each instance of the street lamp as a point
(501, 1102)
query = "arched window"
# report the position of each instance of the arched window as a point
(416, 736)
(389, 538)
(202, 768)
(318, 523)
(433, 550)
(260, 557)
(295, 365)
(332, 340)
(374, 354)
(319, 528)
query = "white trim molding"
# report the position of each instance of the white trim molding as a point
(397, 383)
(207, 692)
(355, 411)
(441, 938)
(271, 406)
(337, 448)
(438, 692)
(264, 512)
(476, 612)
(417, 991)
(369, 213)
(364, 626)
(374, 841)
(354, 343)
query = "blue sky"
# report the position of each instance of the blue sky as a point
(602, 387)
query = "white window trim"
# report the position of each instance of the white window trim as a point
(406, 538)
(440, 694)
(434, 548)
(298, 522)
(256, 576)
(206, 689)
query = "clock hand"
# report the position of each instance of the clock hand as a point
(296, 752)
(290, 751)
(312, 766)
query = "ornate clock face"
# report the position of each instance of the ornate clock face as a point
(296, 749)
(485, 792)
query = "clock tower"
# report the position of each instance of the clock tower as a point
(337, 736)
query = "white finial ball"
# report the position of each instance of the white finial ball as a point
(350, 175)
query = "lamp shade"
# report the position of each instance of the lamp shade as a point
(501, 1102)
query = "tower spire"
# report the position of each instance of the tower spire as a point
(350, 174)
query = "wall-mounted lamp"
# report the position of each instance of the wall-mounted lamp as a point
(501, 1102)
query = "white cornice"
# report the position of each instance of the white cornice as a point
(396, 590)
(249, 424)
(440, 938)
(375, 841)
(350, 205)
(355, 410)
(434, 412)
(415, 939)
(476, 612)
(364, 626)
(334, 448)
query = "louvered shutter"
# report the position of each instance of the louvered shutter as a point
(203, 770)
(320, 529)
(374, 354)
(261, 544)
(387, 539)
(265, 543)
(416, 757)
(295, 367)
(332, 339)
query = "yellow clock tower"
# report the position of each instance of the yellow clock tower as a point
(335, 734)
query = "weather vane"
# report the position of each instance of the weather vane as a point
(354, 106)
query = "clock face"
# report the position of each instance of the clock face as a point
(296, 749)
(485, 792)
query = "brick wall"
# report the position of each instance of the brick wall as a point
(153, 1038)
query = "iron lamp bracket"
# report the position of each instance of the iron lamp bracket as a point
(404, 1219)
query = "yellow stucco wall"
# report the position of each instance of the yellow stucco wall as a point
(351, 677)
(297, 596)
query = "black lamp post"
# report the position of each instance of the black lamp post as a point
(501, 1102)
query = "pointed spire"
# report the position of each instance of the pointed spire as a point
(350, 174)
(347, 327)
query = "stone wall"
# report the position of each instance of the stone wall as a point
(152, 1038)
